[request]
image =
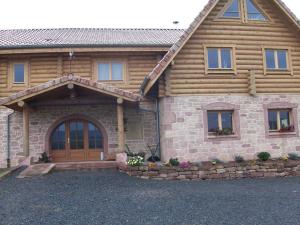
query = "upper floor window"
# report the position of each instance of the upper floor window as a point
(233, 10)
(276, 59)
(253, 13)
(19, 73)
(219, 58)
(242, 9)
(111, 71)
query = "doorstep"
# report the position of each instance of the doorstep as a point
(87, 165)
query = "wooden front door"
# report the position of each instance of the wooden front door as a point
(76, 140)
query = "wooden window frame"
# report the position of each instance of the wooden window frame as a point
(281, 106)
(220, 71)
(11, 79)
(287, 71)
(234, 19)
(222, 107)
(243, 14)
(110, 62)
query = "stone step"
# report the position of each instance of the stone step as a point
(36, 170)
(89, 165)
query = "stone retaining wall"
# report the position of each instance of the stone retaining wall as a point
(208, 171)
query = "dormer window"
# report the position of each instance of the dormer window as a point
(233, 10)
(253, 13)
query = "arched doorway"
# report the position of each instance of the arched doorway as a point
(77, 139)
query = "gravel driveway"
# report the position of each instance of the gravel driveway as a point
(108, 197)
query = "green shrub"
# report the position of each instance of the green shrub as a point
(264, 156)
(216, 161)
(174, 162)
(136, 161)
(239, 159)
(294, 156)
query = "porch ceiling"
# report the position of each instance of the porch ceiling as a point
(73, 88)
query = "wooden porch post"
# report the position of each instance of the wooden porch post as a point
(26, 111)
(120, 116)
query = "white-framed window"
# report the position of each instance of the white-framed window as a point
(111, 71)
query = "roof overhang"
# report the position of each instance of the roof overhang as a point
(70, 81)
(27, 50)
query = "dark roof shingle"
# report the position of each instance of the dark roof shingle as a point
(88, 37)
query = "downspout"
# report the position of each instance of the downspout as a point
(8, 139)
(158, 125)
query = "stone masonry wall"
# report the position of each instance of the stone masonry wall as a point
(208, 171)
(16, 142)
(182, 129)
(42, 119)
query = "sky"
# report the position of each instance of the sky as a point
(104, 13)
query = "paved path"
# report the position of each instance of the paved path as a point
(107, 197)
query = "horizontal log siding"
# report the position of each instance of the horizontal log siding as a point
(43, 68)
(187, 75)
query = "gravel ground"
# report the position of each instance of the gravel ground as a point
(108, 197)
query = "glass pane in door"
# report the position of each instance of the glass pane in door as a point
(95, 137)
(58, 138)
(76, 135)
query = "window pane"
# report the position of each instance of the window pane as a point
(212, 54)
(76, 135)
(58, 138)
(226, 58)
(103, 71)
(95, 137)
(233, 10)
(270, 59)
(227, 120)
(281, 54)
(117, 71)
(285, 119)
(19, 73)
(272, 120)
(212, 121)
(253, 12)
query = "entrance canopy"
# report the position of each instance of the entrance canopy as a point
(69, 87)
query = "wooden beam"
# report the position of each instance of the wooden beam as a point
(252, 83)
(26, 111)
(70, 86)
(120, 118)
(21, 104)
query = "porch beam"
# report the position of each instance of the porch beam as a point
(120, 118)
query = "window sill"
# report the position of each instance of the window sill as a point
(218, 72)
(223, 137)
(281, 134)
(278, 72)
